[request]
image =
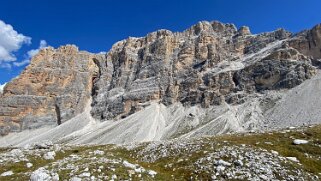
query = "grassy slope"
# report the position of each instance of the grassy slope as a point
(182, 164)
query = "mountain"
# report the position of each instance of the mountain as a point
(209, 79)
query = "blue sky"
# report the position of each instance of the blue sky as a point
(96, 24)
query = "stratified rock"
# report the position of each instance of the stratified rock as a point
(52, 89)
(208, 64)
(273, 74)
(308, 42)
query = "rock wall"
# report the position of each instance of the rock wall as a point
(52, 89)
(308, 42)
(208, 64)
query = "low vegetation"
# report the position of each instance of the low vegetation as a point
(179, 159)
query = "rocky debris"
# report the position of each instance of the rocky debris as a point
(225, 162)
(42, 174)
(300, 142)
(157, 150)
(40, 145)
(206, 158)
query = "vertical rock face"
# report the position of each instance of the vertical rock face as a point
(308, 42)
(52, 89)
(209, 64)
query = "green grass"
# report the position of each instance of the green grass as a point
(282, 143)
(183, 170)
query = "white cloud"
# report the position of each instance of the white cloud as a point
(1, 87)
(10, 42)
(30, 54)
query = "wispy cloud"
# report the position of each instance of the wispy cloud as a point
(30, 54)
(10, 42)
(1, 87)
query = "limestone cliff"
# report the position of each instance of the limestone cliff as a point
(52, 89)
(209, 64)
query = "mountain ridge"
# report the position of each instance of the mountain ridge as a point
(222, 79)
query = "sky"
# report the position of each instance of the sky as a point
(95, 25)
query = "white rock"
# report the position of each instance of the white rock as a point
(293, 159)
(220, 168)
(8, 173)
(224, 163)
(85, 174)
(129, 165)
(16, 152)
(138, 170)
(274, 152)
(55, 177)
(40, 175)
(264, 177)
(49, 155)
(99, 152)
(152, 173)
(29, 165)
(75, 179)
(299, 141)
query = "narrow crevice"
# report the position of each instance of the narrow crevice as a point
(95, 78)
(58, 114)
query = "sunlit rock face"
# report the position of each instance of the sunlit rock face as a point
(209, 64)
(52, 89)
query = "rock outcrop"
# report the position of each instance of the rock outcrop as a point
(308, 42)
(209, 64)
(52, 89)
